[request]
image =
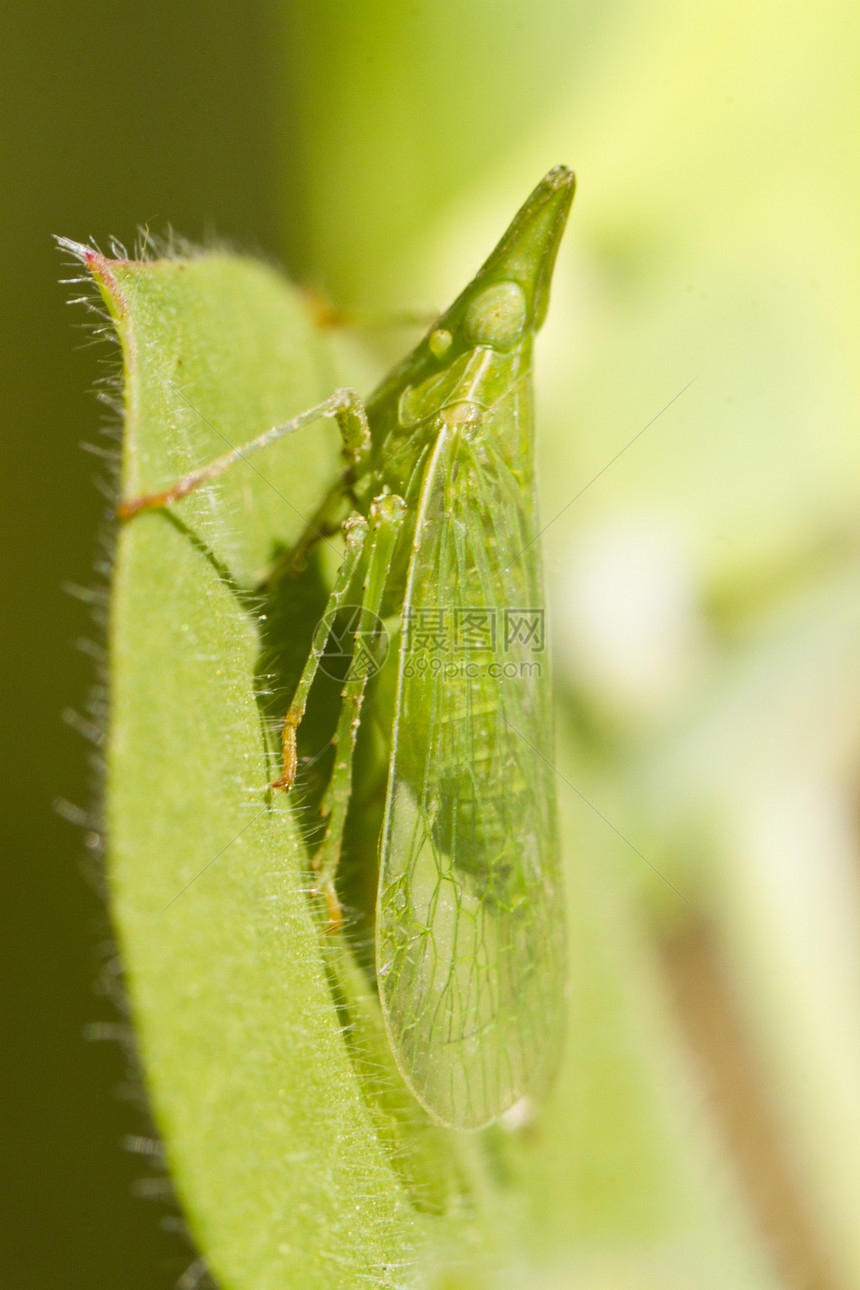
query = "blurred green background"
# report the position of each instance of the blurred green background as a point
(704, 587)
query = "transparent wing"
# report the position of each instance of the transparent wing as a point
(470, 918)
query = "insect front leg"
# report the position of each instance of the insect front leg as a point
(344, 405)
(387, 514)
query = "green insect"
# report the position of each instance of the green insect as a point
(437, 506)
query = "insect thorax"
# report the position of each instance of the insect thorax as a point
(459, 395)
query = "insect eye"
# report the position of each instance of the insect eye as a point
(497, 316)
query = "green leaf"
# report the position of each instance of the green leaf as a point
(271, 1147)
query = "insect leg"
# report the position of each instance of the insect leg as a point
(386, 517)
(356, 532)
(344, 405)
